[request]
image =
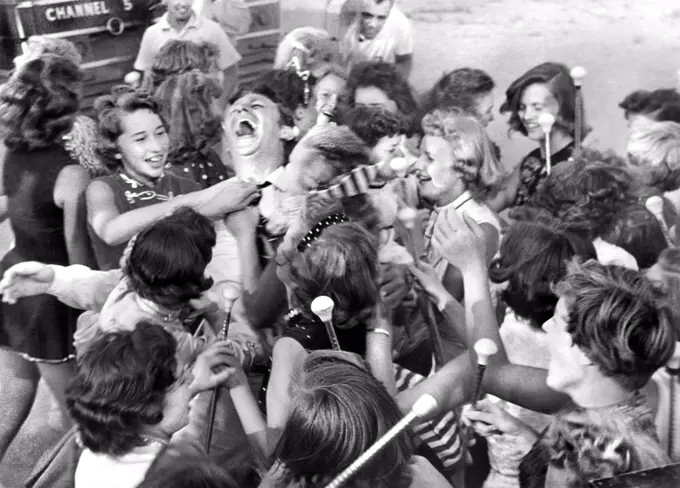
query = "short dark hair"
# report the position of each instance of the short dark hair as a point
(386, 78)
(120, 385)
(39, 103)
(168, 259)
(639, 232)
(593, 188)
(178, 466)
(340, 410)
(533, 258)
(458, 89)
(620, 320)
(558, 78)
(123, 100)
(646, 102)
(373, 123)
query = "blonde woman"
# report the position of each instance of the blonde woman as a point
(457, 171)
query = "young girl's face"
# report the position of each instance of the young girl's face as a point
(143, 145)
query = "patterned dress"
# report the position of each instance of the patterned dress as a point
(533, 171)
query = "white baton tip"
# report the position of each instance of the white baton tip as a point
(485, 348)
(322, 307)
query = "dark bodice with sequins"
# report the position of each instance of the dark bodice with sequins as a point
(206, 169)
(533, 171)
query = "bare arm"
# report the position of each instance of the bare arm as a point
(69, 195)
(288, 354)
(379, 354)
(115, 228)
(505, 197)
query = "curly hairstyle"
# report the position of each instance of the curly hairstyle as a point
(474, 155)
(187, 100)
(120, 385)
(558, 79)
(385, 77)
(458, 89)
(620, 320)
(110, 109)
(373, 123)
(643, 102)
(176, 57)
(654, 149)
(340, 410)
(533, 258)
(39, 45)
(342, 264)
(39, 103)
(168, 259)
(592, 189)
(587, 445)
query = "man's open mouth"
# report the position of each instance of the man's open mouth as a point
(247, 136)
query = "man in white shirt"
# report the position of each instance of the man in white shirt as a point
(181, 22)
(233, 15)
(379, 31)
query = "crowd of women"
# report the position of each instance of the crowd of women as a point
(165, 265)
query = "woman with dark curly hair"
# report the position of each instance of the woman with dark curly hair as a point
(380, 85)
(42, 194)
(467, 89)
(546, 88)
(189, 102)
(129, 397)
(134, 143)
(592, 192)
(381, 130)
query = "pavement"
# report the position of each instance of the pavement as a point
(624, 45)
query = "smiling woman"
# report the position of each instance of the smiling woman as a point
(545, 89)
(135, 144)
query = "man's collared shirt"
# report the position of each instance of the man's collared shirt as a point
(199, 30)
(394, 39)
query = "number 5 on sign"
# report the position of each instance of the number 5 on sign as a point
(127, 5)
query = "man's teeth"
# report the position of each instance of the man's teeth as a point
(155, 159)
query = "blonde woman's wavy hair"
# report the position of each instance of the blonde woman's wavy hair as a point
(654, 150)
(473, 152)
